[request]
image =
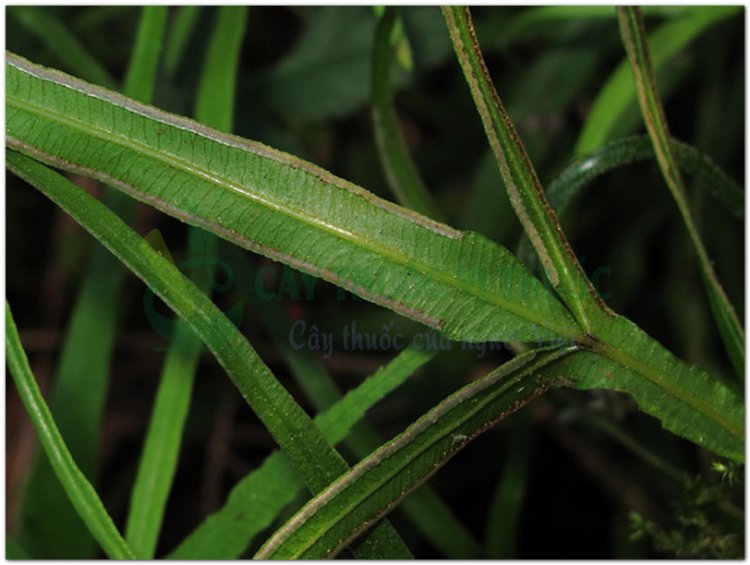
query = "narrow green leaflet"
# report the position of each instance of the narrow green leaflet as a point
(313, 457)
(524, 189)
(40, 21)
(287, 209)
(614, 154)
(636, 46)
(258, 498)
(376, 484)
(182, 27)
(49, 525)
(401, 172)
(216, 92)
(214, 106)
(618, 92)
(141, 75)
(79, 489)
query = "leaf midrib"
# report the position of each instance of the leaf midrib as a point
(364, 243)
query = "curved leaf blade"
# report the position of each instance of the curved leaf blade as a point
(615, 154)
(82, 495)
(289, 210)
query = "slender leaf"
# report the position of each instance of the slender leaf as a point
(636, 46)
(584, 170)
(182, 28)
(141, 75)
(363, 495)
(315, 459)
(272, 486)
(214, 106)
(83, 496)
(41, 22)
(49, 524)
(216, 92)
(401, 172)
(456, 282)
(619, 93)
(524, 189)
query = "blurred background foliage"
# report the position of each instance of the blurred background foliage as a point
(304, 87)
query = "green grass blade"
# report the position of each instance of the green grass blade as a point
(215, 107)
(141, 75)
(614, 154)
(182, 28)
(636, 46)
(49, 523)
(301, 215)
(79, 489)
(619, 93)
(373, 486)
(524, 189)
(216, 91)
(688, 401)
(318, 463)
(227, 533)
(42, 23)
(505, 509)
(401, 172)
